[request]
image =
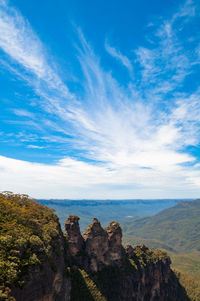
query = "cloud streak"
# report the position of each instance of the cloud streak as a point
(23, 47)
(120, 57)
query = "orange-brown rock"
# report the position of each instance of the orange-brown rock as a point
(74, 237)
(96, 245)
(102, 247)
(115, 242)
(123, 274)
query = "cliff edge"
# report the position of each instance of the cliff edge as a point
(38, 262)
(104, 270)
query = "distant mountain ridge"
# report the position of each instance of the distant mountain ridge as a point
(178, 227)
(106, 210)
(90, 202)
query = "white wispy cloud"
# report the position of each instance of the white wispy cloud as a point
(120, 57)
(35, 146)
(23, 46)
(20, 42)
(133, 136)
(24, 113)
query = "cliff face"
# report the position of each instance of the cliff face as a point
(40, 263)
(46, 281)
(116, 274)
(32, 252)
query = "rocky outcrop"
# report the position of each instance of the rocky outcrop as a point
(96, 246)
(154, 274)
(74, 237)
(99, 247)
(98, 267)
(115, 242)
(118, 273)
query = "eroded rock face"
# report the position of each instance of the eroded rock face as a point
(124, 274)
(115, 242)
(102, 247)
(154, 274)
(74, 237)
(96, 245)
(130, 274)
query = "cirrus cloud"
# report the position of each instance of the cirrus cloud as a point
(136, 138)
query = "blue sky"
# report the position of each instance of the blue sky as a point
(100, 99)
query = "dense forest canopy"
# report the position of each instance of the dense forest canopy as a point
(27, 230)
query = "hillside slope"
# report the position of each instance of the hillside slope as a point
(176, 229)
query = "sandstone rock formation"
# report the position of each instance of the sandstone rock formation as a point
(155, 273)
(102, 247)
(74, 237)
(122, 274)
(115, 242)
(96, 246)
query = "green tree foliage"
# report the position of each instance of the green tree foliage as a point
(27, 234)
(191, 285)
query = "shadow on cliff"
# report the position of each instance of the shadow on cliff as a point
(118, 283)
(80, 290)
(174, 281)
(111, 283)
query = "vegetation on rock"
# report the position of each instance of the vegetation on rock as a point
(27, 238)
